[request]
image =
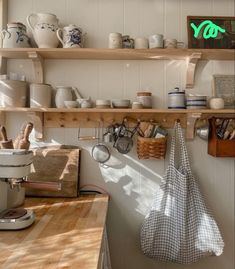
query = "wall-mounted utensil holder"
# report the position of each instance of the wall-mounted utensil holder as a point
(219, 147)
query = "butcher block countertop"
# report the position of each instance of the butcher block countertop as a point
(67, 233)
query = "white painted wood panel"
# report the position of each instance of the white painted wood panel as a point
(132, 183)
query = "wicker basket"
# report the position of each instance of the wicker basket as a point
(151, 148)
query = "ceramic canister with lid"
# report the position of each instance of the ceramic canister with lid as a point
(15, 36)
(13, 93)
(145, 98)
(40, 95)
(176, 99)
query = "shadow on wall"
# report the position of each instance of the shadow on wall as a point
(125, 177)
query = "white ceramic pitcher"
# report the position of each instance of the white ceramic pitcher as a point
(44, 27)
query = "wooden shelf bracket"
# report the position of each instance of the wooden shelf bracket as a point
(191, 68)
(37, 119)
(191, 121)
(38, 66)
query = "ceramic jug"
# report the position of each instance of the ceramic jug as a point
(71, 36)
(65, 93)
(15, 36)
(44, 27)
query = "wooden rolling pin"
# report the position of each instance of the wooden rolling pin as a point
(48, 186)
(5, 143)
(24, 142)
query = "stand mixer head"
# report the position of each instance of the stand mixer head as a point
(14, 169)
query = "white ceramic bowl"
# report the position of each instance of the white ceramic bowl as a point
(120, 103)
(70, 104)
(102, 102)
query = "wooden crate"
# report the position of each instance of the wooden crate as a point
(56, 164)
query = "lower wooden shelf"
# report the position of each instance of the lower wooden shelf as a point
(92, 117)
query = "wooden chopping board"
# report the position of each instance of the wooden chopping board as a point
(56, 164)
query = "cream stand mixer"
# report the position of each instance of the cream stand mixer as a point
(14, 169)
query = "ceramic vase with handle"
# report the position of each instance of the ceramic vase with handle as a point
(44, 27)
(15, 36)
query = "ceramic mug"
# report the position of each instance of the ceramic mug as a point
(127, 42)
(141, 43)
(71, 36)
(40, 95)
(156, 41)
(173, 43)
(115, 40)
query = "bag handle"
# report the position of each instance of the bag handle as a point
(184, 159)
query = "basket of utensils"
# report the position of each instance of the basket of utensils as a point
(151, 141)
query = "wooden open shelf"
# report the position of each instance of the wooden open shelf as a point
(93, 117)
(118, 110)
(192, 56)
(118, 54)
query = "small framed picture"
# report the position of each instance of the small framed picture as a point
(224, 87)
(207, 32)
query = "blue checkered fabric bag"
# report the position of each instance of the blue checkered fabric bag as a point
(179, 227)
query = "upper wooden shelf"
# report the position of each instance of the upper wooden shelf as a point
(118, 110)
(118, 54)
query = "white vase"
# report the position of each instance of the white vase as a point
(63, 94)
(44, 27)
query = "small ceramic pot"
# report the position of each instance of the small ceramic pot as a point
(216, 103)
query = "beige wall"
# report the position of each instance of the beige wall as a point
(130, 182)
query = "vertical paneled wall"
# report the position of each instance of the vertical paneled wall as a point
(130, 182)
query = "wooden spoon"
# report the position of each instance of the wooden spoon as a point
(20, 136)
(5, 143)
(24, 143)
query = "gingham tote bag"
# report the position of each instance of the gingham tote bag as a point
(179, 227)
